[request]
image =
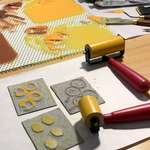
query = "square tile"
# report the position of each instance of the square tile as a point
(40, 130)
(31, 96)
(69, 93)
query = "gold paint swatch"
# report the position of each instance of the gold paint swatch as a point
(46, 10)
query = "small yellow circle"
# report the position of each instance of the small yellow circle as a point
(48, 120)
(57, 131)
(51, 144)
(37, 127)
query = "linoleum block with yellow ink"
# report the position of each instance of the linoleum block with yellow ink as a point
(31, 96)
(60, 135)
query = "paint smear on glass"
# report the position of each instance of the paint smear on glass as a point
(46, 10)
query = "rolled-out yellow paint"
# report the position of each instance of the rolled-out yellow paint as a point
(46, 10)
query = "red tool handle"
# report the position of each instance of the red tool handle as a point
(137, 81)
(136, 113)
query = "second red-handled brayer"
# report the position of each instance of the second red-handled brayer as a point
(109, 49)
(131, 114)
(94, 118)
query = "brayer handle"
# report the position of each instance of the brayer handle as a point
(137, 81)
(136, 113)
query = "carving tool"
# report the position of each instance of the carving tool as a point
(120, 21)
(141, 21)
(104, 51)
(143, 17)
(91, 112)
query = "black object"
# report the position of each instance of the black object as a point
(95, 124)
(143, 10)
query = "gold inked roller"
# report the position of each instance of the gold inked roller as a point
(113, 47)
(91, 113)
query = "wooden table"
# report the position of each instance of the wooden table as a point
(137, 56)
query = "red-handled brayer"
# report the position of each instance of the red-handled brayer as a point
(94, 118)
(136, 80)
(112, 48)
(131, 114)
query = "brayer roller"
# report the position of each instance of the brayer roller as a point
(105, 51)
(137, 81)
(131, 114)
(91, 112)
(114, 47)
(94, 118)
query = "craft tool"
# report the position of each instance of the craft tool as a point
(137, 81)
(131, 114)
(141, 21)
(143, 10)
(104, 51)
(91, 112)
(118, 3)
(143, 17)
(120, 21)
(94, 118)
(113, 47)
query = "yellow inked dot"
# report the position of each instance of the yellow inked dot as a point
(51, 144)
(30, 86)
(36, 127)
(57, 131)
(36, 96)
(48, 120)
(20, 91)
(27, 104)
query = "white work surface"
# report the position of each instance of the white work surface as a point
(116, 95)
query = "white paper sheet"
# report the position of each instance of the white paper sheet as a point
(116, 95)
